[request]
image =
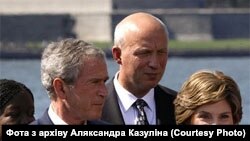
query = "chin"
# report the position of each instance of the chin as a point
(96, 116)
(152, 84)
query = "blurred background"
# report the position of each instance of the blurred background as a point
(30, 24)
(204, 34)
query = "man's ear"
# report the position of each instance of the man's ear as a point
(59, 88)
(116, 51)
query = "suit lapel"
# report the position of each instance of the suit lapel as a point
(164, 106)
(114, 116)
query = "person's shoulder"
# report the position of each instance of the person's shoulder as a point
(35, 122)
(166, 90)
(43, 120)
(98, 122)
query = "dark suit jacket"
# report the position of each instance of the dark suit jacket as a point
(164, 97)
(45, 120)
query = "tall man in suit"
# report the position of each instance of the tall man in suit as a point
(141, 50)
(74, 74)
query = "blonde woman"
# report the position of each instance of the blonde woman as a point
(208, 98)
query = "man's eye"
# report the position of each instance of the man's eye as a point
(143, 53)
(224, 116)
(162, 52)
(95, 81)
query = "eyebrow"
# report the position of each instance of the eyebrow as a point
(205, 112)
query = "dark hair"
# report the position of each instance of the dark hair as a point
(9, 89)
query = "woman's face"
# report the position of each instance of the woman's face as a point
(19, 110)
(218, 113)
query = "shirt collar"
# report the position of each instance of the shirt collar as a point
(55, 118)
(127, 99)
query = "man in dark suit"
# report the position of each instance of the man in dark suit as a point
(46, 120)
(74, 74)
(141, 50)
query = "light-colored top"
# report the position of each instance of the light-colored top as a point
(55, 118)
(126, 100)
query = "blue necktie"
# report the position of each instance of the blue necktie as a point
(142, 117)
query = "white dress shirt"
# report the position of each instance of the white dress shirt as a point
(126, 100)
(55, 118)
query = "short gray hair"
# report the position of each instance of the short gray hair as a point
(63, 59)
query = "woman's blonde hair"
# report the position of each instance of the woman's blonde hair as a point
(203, 87)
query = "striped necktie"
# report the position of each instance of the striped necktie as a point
(142, 117)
